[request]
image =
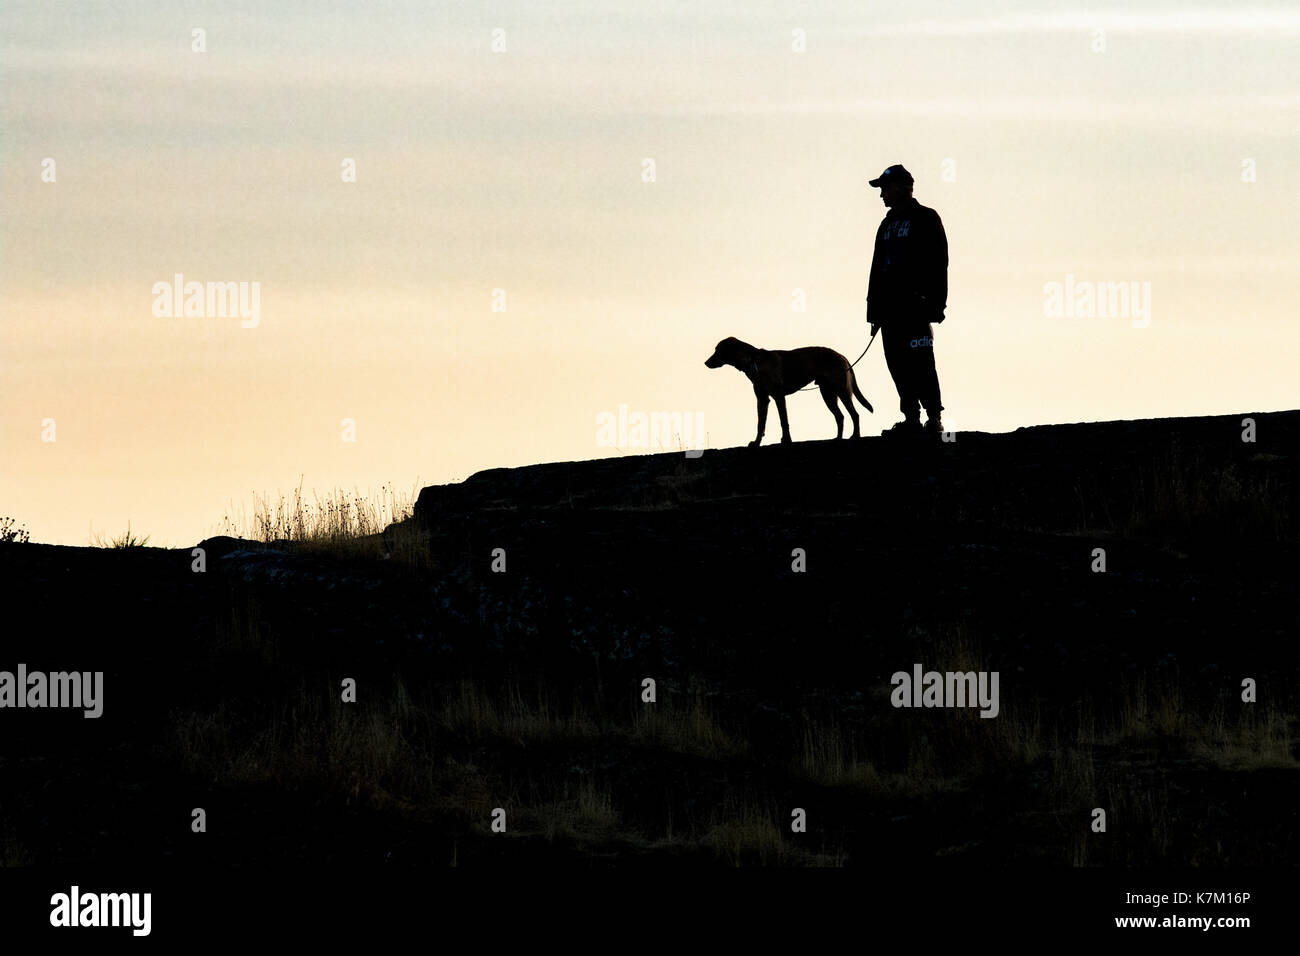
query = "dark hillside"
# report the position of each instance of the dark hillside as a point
(1119, 689)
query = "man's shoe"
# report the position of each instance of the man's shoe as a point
(907, 428)
(934, 428)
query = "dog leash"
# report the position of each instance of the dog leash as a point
(809, 388)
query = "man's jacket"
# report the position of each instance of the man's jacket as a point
(909, 268)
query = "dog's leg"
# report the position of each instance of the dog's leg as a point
(851, 386)
(785, 422)
(762, 418)
(828, 396)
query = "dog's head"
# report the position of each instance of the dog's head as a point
(727, 353)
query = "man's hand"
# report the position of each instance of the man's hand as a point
(927, 310)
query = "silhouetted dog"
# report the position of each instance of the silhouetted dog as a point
(777, 374)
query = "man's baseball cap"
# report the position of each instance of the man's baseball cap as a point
(894, 174)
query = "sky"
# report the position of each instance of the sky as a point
(481, 232)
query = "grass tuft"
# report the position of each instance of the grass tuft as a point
(124, 540)
(343, 524)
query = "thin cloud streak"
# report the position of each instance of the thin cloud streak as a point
(1204, 112)
(1249, 21)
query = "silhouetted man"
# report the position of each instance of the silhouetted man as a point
(908, 290)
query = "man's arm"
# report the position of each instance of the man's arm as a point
(873, 287)
(932, 271)
(940, 266)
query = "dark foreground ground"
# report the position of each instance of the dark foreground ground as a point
(522, 690)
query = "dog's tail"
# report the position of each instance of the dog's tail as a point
(853, 384)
